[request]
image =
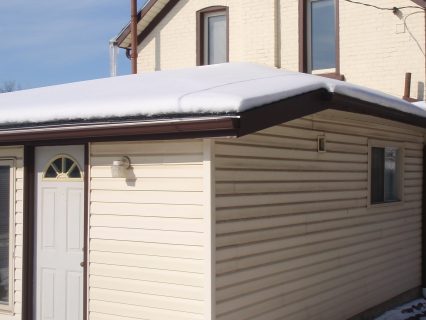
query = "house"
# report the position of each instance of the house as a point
(375, 43)
(233, 191)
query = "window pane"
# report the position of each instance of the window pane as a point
(4, 233)
(323, 34)
(390, 175)
(377, 175)
(216, 39)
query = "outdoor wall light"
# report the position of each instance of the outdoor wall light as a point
(119, 167)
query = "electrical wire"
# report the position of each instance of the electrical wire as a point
(382, 8)
(409, 31)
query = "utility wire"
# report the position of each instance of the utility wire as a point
(411, 34)
(382, 8)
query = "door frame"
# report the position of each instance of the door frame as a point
(28, 266)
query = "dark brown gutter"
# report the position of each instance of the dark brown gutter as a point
(143, 130)
(349, 104)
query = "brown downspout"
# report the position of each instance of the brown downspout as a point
(134, 35)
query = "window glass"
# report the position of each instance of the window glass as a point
(322, 34)
(377, 175)
(4, 233)
(390, 175)
(216, 43)
(384, 175)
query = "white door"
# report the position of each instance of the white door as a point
(59, 233)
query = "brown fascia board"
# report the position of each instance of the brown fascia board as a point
(122, 131)
(236, 125)
(421, 3)
(141, 14)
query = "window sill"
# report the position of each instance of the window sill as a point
(6, 310)
(386, 204)
(333, 75)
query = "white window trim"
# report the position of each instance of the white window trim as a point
(309, 41)
(206, 32)
(401, 159)
(9, 309)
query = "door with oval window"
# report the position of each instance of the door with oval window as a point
(59, 234)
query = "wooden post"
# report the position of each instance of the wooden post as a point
(407, 86)
(134, 35)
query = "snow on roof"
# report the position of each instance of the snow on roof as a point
(420, 104)
(217, 89)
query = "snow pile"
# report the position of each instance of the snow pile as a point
(216, 89)
(415, 310)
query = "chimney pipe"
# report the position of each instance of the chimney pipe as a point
(407, 86)
(134, 36)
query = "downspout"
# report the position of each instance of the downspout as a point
(278, 44)
(113, 54)
(134, 36)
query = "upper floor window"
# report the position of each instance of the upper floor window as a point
(212, 37)
(320, 50)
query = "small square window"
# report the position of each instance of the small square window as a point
(385, 175)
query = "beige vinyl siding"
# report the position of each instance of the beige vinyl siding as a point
(295, 236)
(16, 153)
(147, 236)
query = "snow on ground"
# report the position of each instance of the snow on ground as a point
(414, 310)
(230, 87)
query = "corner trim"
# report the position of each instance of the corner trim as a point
(28, 235)
(210, 228)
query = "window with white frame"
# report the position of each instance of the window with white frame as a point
(385, 174)
(321, 36)
(6, 234)
(213, 35)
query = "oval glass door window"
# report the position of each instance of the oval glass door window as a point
(63, 168)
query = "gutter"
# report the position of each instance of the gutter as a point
(129, 130)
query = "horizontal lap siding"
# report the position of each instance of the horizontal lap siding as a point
(295, 238)
(147, 233)
(16, 153)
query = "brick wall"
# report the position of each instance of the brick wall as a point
(376, 48)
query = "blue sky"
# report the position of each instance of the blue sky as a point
(47, 42)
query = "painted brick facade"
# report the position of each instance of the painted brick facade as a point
(377, 47)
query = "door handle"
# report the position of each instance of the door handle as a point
(82, 264)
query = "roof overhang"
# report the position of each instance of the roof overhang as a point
(153, 13)
(148, 18)
(225, 125)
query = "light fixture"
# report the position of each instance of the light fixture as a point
(119, 167)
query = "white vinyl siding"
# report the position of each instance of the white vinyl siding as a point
(147, 233)
(14, 156)
(295, 235)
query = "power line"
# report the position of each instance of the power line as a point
(393, 9)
